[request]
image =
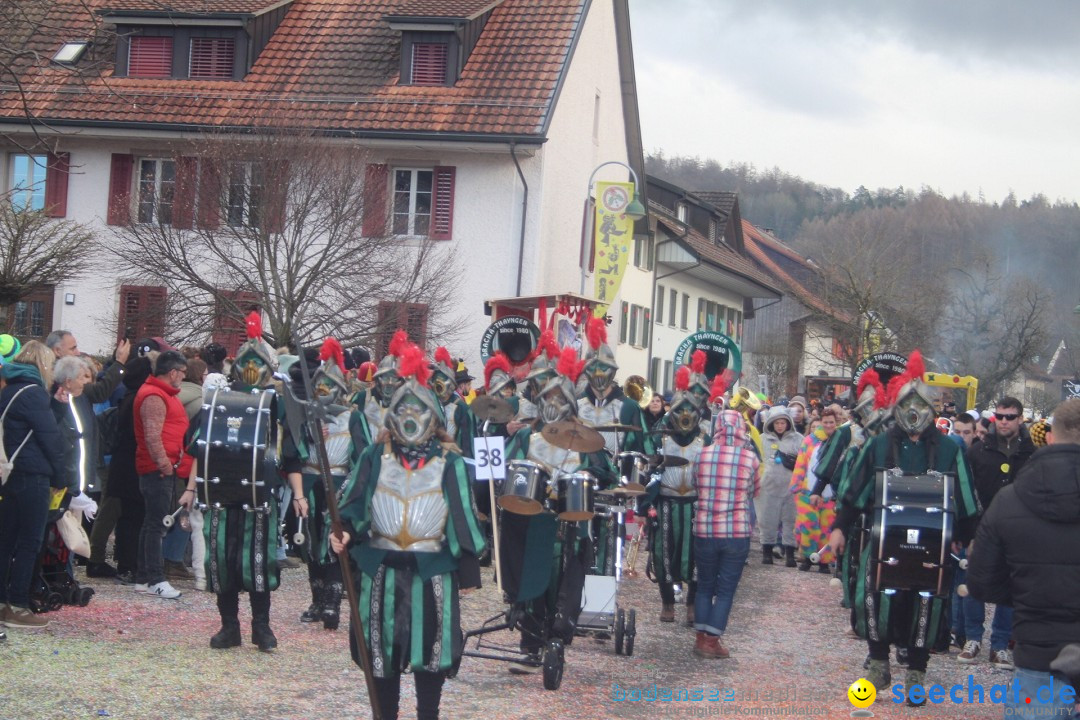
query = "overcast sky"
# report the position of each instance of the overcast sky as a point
(959, 95)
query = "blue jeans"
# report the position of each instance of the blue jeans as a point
(1000, 628)
(1043, 705)
(720, 563)
(174, 547)
(23, 512)
(157, 494)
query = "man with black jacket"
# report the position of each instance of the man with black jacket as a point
(1026, 555)
(995, 461)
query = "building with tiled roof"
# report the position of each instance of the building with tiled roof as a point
(495, 111)
(705, 281)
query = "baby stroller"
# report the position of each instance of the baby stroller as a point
(54, 584)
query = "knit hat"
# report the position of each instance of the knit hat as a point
(1038, 433)
(9, 347)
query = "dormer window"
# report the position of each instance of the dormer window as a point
(429, 63)
(429, 58)
(437, 38)
(150, 57)
(212, 58)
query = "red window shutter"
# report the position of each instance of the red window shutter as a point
(183, 210)
(387, 324)
(212, 58)
(150, 56)
(230, 328)
(56, 184)
(442, 204)
(209, 195)
(142, 309)
(376, 200)
(120, 189)
(429, 63)
(276, 186)
(416, 322)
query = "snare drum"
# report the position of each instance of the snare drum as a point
(525, 488)
(633, 470)
(576, 497)
(237, 447)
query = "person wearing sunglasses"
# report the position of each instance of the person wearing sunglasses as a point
(995, 462)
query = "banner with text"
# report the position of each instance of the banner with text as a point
(613, 233)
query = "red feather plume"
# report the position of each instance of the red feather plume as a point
(569, 366)
(697, 361)
(720, 384)
(331, 349)
(413, 364)
(682, 378)
(548, 345)
(869, 377)
(498, 361)
(915, 365)
(442, 355)
(398, 343)
(596, 332)
(254, 325)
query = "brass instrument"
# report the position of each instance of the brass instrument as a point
(637, 389)
(636, 542)
(743, 400)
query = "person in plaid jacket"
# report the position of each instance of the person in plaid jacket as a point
(728, 479)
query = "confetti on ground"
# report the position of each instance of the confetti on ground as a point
(142, 658)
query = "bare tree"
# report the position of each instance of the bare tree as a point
(284, 221)
(993, 327)
(37, 250)
(771, 359)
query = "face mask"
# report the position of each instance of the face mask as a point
(913, 414)
(554, 407)
(411, 422)
(385, 386)
(444, 387)
(685, 418)
(601, 375)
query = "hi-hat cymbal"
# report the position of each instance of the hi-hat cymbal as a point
(573, 436)
(615, 427)
(670, 461)
(494, 409)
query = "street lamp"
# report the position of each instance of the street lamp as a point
(635, 210)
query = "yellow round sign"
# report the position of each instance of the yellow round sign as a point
(861, 693)
(1005, 468)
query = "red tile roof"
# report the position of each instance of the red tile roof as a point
(445, 8)
(331, 65)
(188, 7)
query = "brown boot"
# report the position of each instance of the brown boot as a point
(667, 613)
(699, 642)
(690, 615)
(710, 647)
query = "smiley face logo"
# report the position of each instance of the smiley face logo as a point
(862, 693)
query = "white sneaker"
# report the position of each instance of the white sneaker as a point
(970, 652)
(200, 583)
(142, 588)
(1002, 659)
(163, 590)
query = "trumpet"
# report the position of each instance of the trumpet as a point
(637, 389)
(744, 400)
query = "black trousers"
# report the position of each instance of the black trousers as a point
(917, 657)
(428, 695)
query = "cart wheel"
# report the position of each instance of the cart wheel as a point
(631, 631)
(55, 601)
(620, 631)
(553, 665)
(71, 595)
(85, 595)
(38, 606)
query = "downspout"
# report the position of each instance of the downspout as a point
(524, 215)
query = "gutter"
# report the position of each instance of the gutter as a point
(524, 215)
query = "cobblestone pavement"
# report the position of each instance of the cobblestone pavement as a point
(129, 656)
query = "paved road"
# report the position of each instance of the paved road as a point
(128, 656)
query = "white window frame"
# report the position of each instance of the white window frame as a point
(251, 214)
(155, 212)
(413, 193)
(34, 190)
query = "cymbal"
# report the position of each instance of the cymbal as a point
(493, 409)
(573, 436)
(629, 490)
(670, 461)
(615, 427)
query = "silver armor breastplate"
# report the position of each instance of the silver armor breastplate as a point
(679, 482)
(338, 444)
(451, 422)
(541, 451)
(408, 511)
(605, 414)
(375, 414)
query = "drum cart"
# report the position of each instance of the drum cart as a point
(600, 611)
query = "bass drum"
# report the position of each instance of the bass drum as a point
(237, 447)
(911, 534)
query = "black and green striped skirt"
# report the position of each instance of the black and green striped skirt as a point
(241, 549)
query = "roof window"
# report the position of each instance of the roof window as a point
(69, 53)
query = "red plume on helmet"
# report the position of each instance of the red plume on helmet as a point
(547, 345)
(697, 362)
(413, 364)
(398, 343)
(569, 366)
(913, 371)
(596, 332)
(331, 349)
(720, 384)
(442, 355)
(682, 378)
(498, 361)
(870, 378)
(254, 325)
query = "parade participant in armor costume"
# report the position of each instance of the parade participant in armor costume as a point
(457, 419)
(916, 446)
(498, 382)
(776, 506)
(374, 401)
(560, 606)
(813, 518)
(240, 545)
(545, 356)
(344, 441)
(409, 524)
(672, 550)
(701, 388)
(603, 402)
